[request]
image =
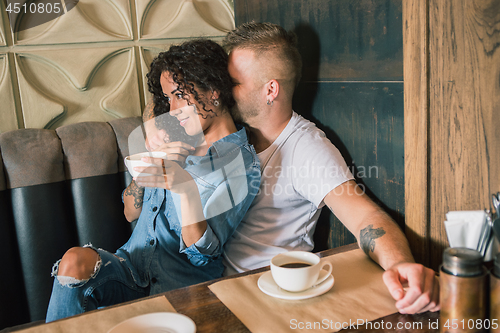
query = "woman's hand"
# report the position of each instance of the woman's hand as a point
(165, 174)
(155, 138)
(176, 151)
(171, 176)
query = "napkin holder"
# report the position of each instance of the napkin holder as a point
(472, 229)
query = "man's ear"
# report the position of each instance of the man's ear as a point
(272, 90)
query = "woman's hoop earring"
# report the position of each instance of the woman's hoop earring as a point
(270, 103)
(216, 102)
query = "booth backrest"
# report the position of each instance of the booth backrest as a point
(58, 189)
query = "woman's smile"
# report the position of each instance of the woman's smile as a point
(182, 121)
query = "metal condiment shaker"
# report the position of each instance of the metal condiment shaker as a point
(495, 296)
(463, 291)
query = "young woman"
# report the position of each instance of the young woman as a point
(190, 205)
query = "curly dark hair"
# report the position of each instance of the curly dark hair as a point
(199, 62)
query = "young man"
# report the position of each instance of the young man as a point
(302, 171)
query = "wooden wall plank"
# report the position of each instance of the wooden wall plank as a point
(416, 112)
(359, 39)
(464, 101)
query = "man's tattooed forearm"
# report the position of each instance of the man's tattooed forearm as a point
(137, 192)
(367, 238)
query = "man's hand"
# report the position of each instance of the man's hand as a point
(414, 287)
(383, 241)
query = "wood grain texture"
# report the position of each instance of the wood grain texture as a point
(452, 98)
(464, 96)
(364, 120)
(416, 113)
(338, 40)
(211, 315)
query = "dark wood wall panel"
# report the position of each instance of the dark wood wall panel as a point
(363, 120)
(352, 88)
(362, 115)
(339, 39)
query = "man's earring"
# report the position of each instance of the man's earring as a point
(216, 102)
(270, 103)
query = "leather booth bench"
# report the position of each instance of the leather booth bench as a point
(58, 189)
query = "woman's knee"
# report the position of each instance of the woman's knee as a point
(79, 263)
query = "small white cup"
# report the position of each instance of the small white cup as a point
(133, 161)
(296, 279)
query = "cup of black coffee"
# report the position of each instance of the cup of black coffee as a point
(297, 271)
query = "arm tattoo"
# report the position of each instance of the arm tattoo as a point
(367, 238)
(137, 192)
(148, 112)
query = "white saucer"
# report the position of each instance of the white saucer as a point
(156, 322)
(268, 286)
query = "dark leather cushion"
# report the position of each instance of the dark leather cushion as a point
(3, 186)
(122, 128)
(99, 211)
(45, 229)
(58, 189)
(31, 157)
(89, 149)
(14, 304)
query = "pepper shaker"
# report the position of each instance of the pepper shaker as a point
(463, 291)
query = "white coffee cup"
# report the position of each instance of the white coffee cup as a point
(289, 277)
(133, 161)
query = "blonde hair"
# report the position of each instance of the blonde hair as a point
(272, 45)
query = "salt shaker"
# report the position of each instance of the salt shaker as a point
(463, 291)
(495, 296)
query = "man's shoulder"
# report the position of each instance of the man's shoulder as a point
(302, 123)
(307, 144)
(306, 135)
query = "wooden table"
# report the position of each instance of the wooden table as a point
(211, 315)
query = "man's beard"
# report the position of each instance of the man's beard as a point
(245, 113)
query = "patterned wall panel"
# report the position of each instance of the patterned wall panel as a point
(181, 18)
(89, 21)
(3, 40)
(90, 63)
(8, 118)
(147, 55)
(78, 85)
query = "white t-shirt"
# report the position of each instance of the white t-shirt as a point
(298, 170)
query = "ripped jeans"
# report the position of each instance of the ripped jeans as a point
(111, 283)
